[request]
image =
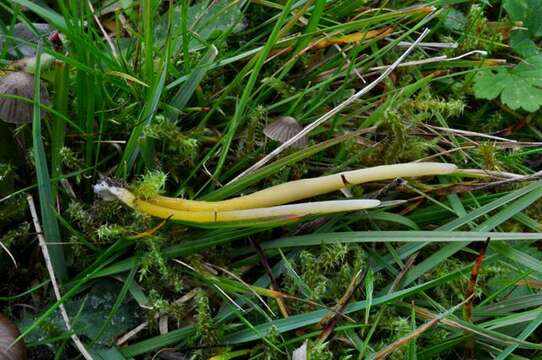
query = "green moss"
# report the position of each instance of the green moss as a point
(208, 332)
(179, 148)
(16, 235)
(177, 311)
(488, 154)
(395, 143)
(320, 351)
(13, 209)
(151, 184)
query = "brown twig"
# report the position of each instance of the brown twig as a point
(274, 285)
(469, 305)
(467, 313)
(416, 333)
(341, 306)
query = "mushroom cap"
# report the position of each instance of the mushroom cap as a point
(18, 111)
(283, 129)
(8, 334)
(22, 34)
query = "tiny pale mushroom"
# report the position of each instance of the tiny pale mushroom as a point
(18, 111)
(283, 128)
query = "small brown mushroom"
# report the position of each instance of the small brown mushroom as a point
(283, 129)
(21, 35)
(8, 334)
(17, 111)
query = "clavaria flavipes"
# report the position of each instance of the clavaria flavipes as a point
(273, 202)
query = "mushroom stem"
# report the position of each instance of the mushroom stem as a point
(268, 203)
(285, 211)
(306, 188)
(109, 191)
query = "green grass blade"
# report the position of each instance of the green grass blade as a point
(60, 104)
(51, 229)
(395, 236)
(180, 99)
(131, 151)
(530, 194)
(247, 92)
(46, 13)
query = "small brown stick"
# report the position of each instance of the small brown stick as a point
(469, 305)
(467, 311)
(341, 306)
(516, 126)
(104, 32)
(51, 272)
(408, 265)
(416, 333)
(274, 285)
(149, 232)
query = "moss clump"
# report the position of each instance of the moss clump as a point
(325, 273)
(320, 351)
(179, 148)
(12, 209)
(208, 332)
(151, 184)
(488, 155)
(395, 143)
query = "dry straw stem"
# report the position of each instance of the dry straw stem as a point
(56, 289)
(263, 204)
(334, 111)
(441, 58)
(4, 247)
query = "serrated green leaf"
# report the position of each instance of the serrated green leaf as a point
(519, 87)
(527, 11)
(489, 85)
(522, 44)
(521, 94)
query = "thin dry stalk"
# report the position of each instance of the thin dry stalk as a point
(52, 276)
(426, 45)
(104, 33)
(435, 59)
(330, 323)
(130, 334)
(470, 133)
(248, 286)
(9, 253)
